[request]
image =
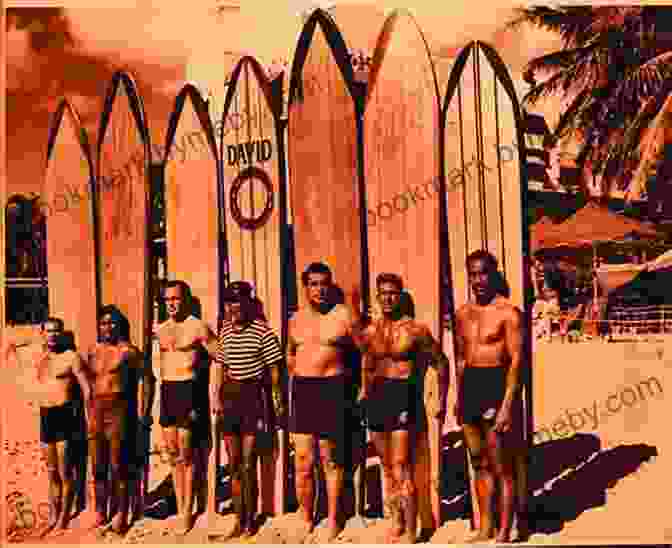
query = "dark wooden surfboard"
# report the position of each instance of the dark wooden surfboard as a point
(71, 249)
(123, 206)
(253, 165)
(486, 185)
(401, 140)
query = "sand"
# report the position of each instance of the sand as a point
(603, 483)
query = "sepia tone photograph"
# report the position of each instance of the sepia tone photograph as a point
(351, 272)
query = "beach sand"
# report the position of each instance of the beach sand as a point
(594, 482)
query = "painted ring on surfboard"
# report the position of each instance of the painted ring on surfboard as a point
(251, 223)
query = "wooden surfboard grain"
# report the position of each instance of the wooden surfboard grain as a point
(485, 185)
(123, 206)
(251, 113)
(190, 198)
(322, 150)
(401, 139)
(70, 232)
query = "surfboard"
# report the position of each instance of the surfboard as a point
(252, 159)
(486, 185)
(326, 183)
(71, 249)
(123, 205)
(401, 150)
(193, 241)
(191, 175)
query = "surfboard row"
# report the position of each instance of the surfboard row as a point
(371, 178)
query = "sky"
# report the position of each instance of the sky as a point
(162, 45)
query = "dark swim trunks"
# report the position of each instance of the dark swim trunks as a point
(58, 423)
(394, 404)
(319, 406)
(483, 392)
(178, 406)
(246, 409)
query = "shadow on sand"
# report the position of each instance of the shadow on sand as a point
(567, 477)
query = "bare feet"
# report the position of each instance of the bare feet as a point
(394, 534)
(54, 518)
(333, 530)
(184, 525)
(119, 523)
(480, 536)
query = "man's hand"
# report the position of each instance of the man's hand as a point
(278, 405)
(457, 411)
(503, 420)
(363, 395)
(217, 407)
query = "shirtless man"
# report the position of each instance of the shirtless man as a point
(56, 372)
(489, 354)
(249, 361)
(319, 336)
(184, 413)
(120, 381)
(392, 397)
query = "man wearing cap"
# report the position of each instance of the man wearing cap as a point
(320, 337)
(184, 409)
(249, 358)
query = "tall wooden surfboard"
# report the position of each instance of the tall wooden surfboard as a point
(486, 185)
(193, 240)
(123, 206)
(253, 166)
(401, 144)
(323, 155)
(325, 152)
(191, 175)
(71, 247)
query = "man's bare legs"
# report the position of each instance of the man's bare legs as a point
(334, 474)
(476, 445)
(304, 461)
(98, 482)
(244, 490)
(401, 504)
(184, 467)
(501, 458)
(119, 472)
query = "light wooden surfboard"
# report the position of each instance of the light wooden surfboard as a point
(486, 185)
(401, 139)
(71, 249)
(191, 174)
(253, 158)
(322, 145)
(123, 205)
(326, 181)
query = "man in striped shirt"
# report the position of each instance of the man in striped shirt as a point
(249, 358)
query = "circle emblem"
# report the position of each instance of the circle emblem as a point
(249, 176)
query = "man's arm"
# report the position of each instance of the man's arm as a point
(438, 361)
(460, 360)
(209, 341)
(80, 372)
(514, 345)
(146, 382)
(292, 346)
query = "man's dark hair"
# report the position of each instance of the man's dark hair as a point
(58, 321)
(316, 268)
(485, 256)
(389, 278)
(118, 318)
(186, 291)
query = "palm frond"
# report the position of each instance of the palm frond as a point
(573, 23)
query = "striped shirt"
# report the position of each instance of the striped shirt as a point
(247, 354)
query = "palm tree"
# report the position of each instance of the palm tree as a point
(615, 68)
